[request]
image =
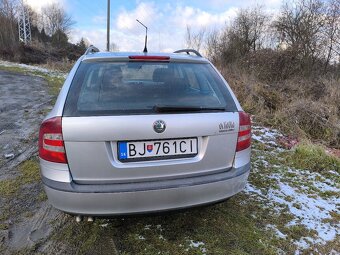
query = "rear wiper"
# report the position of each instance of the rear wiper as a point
(185, 108)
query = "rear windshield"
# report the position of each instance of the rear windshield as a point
(117, 88)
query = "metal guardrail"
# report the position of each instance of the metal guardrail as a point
(90, 50)
(188, 51)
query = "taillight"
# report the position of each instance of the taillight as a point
(244, 133)
(51, 144)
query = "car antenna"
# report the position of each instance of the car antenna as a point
(146, 36)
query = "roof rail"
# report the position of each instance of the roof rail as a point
(91, 49)
(188, 52)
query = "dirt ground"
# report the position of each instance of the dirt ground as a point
(24, 103)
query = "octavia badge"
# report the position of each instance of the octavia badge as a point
(159, 126)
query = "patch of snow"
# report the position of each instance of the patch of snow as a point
(159, 226)
(316, 180)
(34, 68)
(324, 186)
(199, 245)
(276, 231)
(266, 136)
(256, 137)
(140, 237)
(299, 191)
(251, 189)
(333, 172)
(267, 132)
(263, 162)
(302, 245)
(311, 212)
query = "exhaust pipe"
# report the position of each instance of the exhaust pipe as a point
(80, 218)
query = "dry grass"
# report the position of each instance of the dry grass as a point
(312, 157)
(63, 66)
(29, 173)
(306, 107)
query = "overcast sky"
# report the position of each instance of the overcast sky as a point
(166, 20)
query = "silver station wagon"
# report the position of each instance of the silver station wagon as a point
(141, 132)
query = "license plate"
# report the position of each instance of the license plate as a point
(157, 149)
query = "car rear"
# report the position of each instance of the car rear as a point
(143, 133)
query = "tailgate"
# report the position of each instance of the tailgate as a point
(91, 145)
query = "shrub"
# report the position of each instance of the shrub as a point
(307, 107)
(32, 55)
(270, 65)
(317, 120)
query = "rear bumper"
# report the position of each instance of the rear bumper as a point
(131, 198)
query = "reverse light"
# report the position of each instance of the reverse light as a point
(51, 143)
(244, 133)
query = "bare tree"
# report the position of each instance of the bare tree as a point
(213, 45)
(311, 28)
(332, 31)
(301, 24)
(114, 47)
(245, 34)
(57, 19)
(8, 27)
(194, 40)
(248, 29)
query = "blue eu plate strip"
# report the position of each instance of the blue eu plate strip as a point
(122, 150)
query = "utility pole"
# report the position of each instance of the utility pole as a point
(108, 27)
(24, 25)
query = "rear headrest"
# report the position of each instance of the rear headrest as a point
(112, 77)
(112, 74)
(163, 74)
